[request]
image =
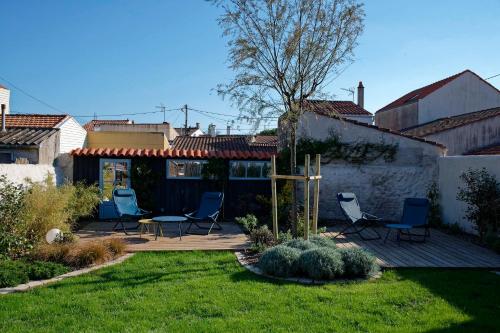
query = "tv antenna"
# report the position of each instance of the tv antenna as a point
(350, 91)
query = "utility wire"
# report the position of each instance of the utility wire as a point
(125, 114)
(492, 76)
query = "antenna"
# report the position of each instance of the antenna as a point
(350, 91)
(162, 108)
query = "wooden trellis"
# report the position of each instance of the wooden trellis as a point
(306, 178)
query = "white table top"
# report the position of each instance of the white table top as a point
(169, 218)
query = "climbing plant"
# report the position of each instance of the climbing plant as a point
(332, 148)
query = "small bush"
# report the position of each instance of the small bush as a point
(116, 246)
(248, 222)
(89, 253)
(357, 262)
(51, 252)
(320, 241)
(280, 261)
(262, 237)
(12, 273)
(321, 263)
(40, 270)
(66, 238)
(300, 244)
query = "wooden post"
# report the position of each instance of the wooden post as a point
(274, 199)
(316, 196)
(307, 164)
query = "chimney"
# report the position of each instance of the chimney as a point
(211, 130)
(198, 125)
(361, 95)
(3, 118)
(228, 130)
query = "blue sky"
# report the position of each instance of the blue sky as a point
(124, 56)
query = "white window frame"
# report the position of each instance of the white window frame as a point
(246, 170)
(183, 160)
(113, 160)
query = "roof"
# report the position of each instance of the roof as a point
(224, 146)
(326, 108)
(242, 143)
(25, 136)
(444, 124)
(490, 150)
(34, 120)
(420, 93)
(89, 127)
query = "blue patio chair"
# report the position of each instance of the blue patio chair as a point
(415, 215)
(125, 202)
(358, 220)
(208, 212)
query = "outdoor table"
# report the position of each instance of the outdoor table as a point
(169, 219)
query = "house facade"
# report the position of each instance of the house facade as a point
(178, 172)
(461, 93)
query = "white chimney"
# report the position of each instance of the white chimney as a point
(211, 130)
(228, 130)
(361, 95)
(5, 98)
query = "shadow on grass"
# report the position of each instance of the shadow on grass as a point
(474, 292)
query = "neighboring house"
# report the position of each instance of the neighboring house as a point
(5, 98)
(179, 170)
(463, 133)
(461, 93)
(191, 131)
(380, 185)
(41, 143)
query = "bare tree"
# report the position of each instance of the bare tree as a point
(284, 52)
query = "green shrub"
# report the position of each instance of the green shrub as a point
(12, 273)
(300, 244)
(358, 262)
(321, 241)
(280, 261)
(262, 238)
(40, 270)
(321, 263)
(248, 222)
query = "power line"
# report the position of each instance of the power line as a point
(492, 76)
(33, 97)
(126, 114)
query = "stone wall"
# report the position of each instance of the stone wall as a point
(380, 186)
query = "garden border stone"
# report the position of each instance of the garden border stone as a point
(243, 261)
(38, 283)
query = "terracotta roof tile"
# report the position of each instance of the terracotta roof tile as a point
(89, 127)
(444, 124)
(490, 150)
(34, 120)
(326, 108)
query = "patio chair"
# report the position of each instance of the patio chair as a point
(208, 212)
(125, 202)
(415, 216)
(358, 220)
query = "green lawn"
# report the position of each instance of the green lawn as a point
(209, 291)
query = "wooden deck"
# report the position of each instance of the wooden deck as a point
(231, 237)
(440, 250)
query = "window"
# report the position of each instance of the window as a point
(6, 157)
(113, 173)
(249, 170)
(185, 169)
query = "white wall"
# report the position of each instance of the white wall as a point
(72, 135)
(18, 173)
(380, 186)
(5, 99)
(467, 93)
(450, 169)
(363, 119)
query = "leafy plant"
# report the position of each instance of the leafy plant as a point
(482, 195)
(280, 260)
(144, 180)
(320, 241)
(248, 222)
(321, 263)
(435, 208)
(262, 238)
(300, 244)
(12, 273)
(358, 262)
(40, 270)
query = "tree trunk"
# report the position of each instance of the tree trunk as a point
(293, 168)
